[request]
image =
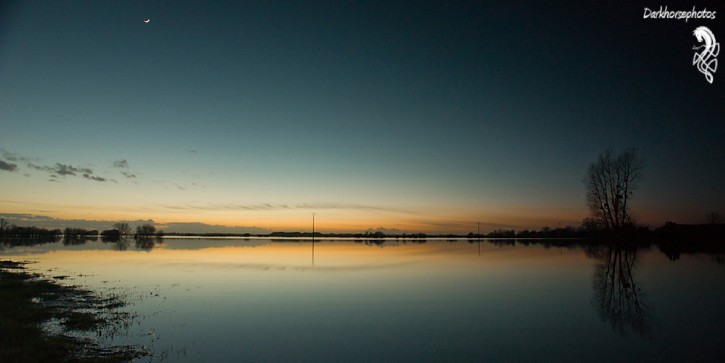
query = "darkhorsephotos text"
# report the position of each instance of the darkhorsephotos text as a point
(663, 13)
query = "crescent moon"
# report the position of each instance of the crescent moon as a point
(147, 20)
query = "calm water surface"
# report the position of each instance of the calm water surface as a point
(202, 300)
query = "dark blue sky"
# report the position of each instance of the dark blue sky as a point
(418, 116)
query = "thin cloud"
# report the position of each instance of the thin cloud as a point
(123, 164)
(54, 171)
(8, 166)
(15, 157)
(69, 170)
(62, 169)
(10, 156)
(94, 177)
(351, 206)
(275, 206)
(38, 167)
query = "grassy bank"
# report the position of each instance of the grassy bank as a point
(29, 301)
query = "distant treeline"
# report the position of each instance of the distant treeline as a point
(546, 232)
(669, 233)
(11, 231)
(671, 239)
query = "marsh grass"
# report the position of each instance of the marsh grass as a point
(28, 302)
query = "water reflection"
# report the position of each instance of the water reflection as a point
(147, 243)
(477, 241)
(78, 240)
(618, 297)
(455, 300)
(120, 243)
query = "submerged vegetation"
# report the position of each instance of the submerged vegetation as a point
(29, 303)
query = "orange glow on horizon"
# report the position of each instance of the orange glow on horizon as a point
(327, 221)
(421, 219)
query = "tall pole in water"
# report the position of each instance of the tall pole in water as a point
(313, 239)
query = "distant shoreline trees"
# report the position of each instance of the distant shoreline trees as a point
(145, 231)
(146, 236)
(123, 229)
(11, 231)
(111, 235)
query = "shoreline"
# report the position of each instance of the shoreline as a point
(31, 302)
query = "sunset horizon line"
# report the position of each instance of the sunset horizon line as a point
(444, 227)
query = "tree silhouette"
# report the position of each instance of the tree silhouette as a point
(122, 228)
(110, 235)
(3, 225)
(611, 182)
(145, 231)
(146, 237)
(714, 218)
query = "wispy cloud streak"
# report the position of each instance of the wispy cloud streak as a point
(8, 166)
(56, 170)
(276, 206)
(68, 170)
(123, 164)
(15, 157)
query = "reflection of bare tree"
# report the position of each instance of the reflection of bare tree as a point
(145, 243)
(619, 300)
(148, 243)
(122, 244)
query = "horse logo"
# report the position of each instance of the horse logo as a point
(705, 55)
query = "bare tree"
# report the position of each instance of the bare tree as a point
(714, 218)
(3, 227)
(145, 231)
(145, 237)
(123, 228)
(611, 182)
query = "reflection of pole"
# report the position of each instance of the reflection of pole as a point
(478, 234)
(313, 239)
